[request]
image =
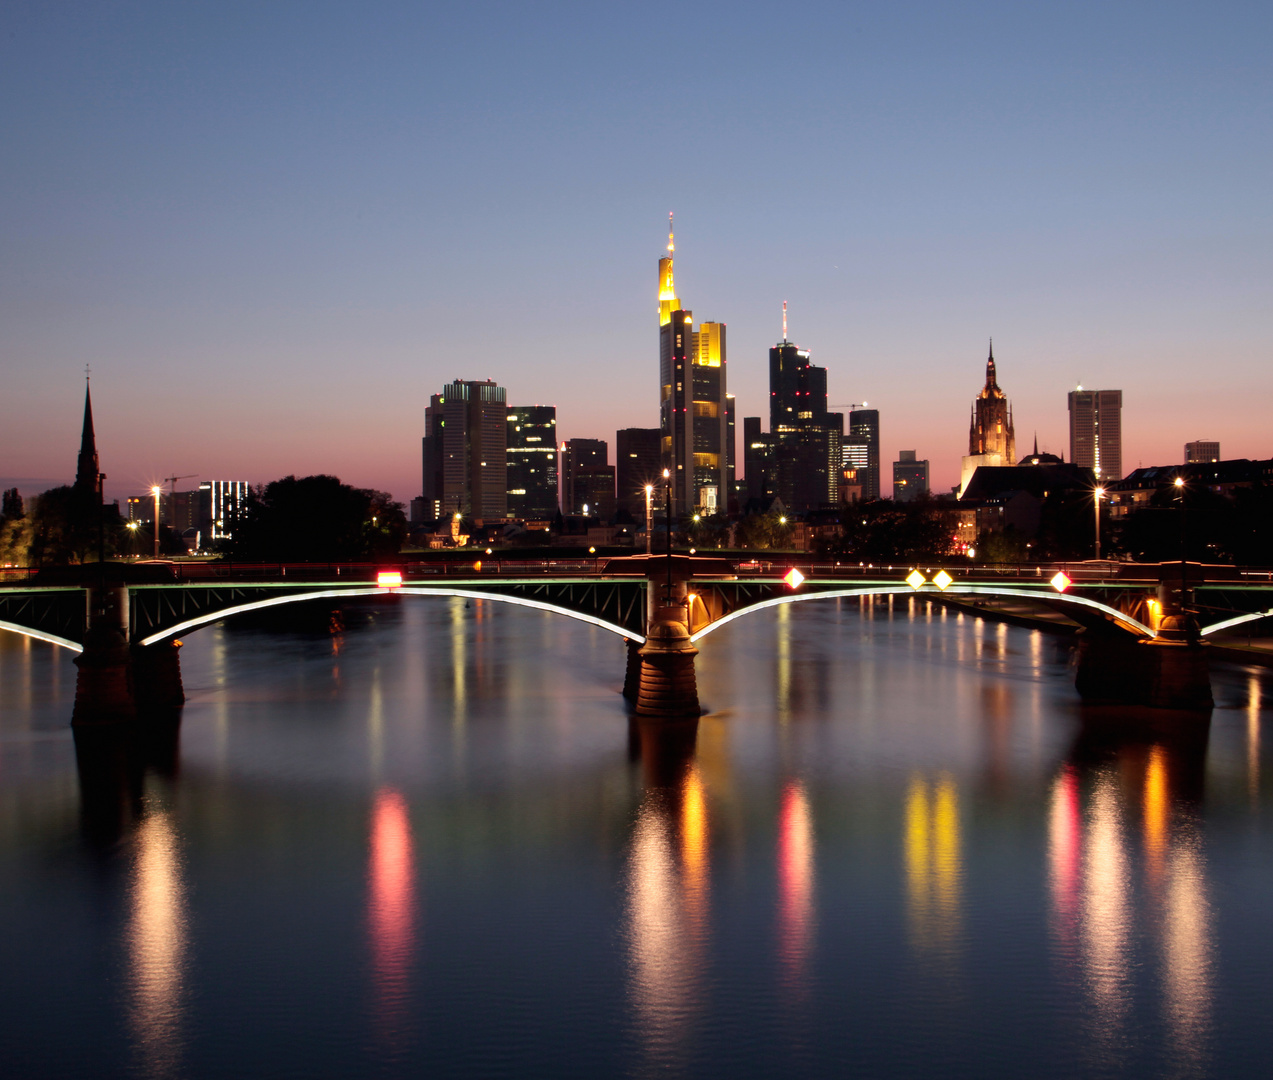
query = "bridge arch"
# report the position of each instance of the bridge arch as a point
(1131, 626)
(204, 619)
(40, 635)
(1227, 624)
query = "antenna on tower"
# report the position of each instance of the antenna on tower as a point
(671, 245)
(784, 322)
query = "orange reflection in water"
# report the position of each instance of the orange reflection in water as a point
(1095, 856)
(157, 945)
(391, 908)
(668, 910)
(796, 909)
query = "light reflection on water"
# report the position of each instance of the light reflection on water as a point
(890, 807)
(157, 945)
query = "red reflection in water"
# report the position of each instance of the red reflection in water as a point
(795, 884)
(1065, 855)
(391, 908)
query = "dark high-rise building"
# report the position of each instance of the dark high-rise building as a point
(464, 451)
(759, 461)
(862, 450)
(1096, 432)
(806, 439)
(86, 468)
(586, 478)
(531, 454)
(636, 463)
(693, 420)
(910, 477)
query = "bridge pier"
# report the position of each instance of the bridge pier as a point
(157, 677)
(104, 684)
(1169, 672)
(667, 688)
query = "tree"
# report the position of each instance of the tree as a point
(882, 530)
(317, 519)
(67, 525)
(764, 532)
(11, 508)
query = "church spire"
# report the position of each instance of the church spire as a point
(991, 382)
(87, 467)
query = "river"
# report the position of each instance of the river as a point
(422, 838)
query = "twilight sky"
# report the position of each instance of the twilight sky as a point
(274, 229)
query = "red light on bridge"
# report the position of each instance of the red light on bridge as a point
(1060, 582)
(389, 579)
(793, 578)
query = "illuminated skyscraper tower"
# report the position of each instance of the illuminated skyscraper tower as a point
(1096, 432)
(693, 411)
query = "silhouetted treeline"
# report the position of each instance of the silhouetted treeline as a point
(316, 519)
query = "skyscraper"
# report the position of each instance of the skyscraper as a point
(807, 439)
(587, 480)
(636, 463)
(531, 453)
(991, 441)
(464, 451)
(862, 450)
(693, 407)
(1096, 432)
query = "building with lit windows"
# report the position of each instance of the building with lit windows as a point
(531, 456)
(1096, 432)
(910, 477)
(693, 405)
(636, 463)
(1201, 452)
(220, 503)
(862, 450)
(587, 478)
(464, 449)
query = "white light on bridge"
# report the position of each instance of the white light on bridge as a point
(1060, 582)
(915, 579)
(941, 579)
(793, 578)
(389, 579)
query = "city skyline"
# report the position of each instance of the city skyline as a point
(249, 246)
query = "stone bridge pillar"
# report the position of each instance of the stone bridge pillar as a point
(104, 685)
(1171, 671)
(666, 687)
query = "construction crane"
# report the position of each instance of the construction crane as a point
(173, 481)
(172, 501)
(851, 405)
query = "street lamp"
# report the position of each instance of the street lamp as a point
(1096, 502)
(1184, 567)
(649, 518)
(155, 491)
(667, 488)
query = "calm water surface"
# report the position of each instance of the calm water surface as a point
(429, 843)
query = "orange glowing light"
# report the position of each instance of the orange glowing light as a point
(793, 578)
(942, 579)
(389, 579)
(1060, 582)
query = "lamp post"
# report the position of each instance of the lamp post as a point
(1184, 566)
(1096, 503)
(649, 518)
(667, 488)
(155, 491)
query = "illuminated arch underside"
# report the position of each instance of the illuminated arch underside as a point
(468, 594)
(40, 635)
(1126, 621)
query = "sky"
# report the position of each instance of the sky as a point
(273, 230)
